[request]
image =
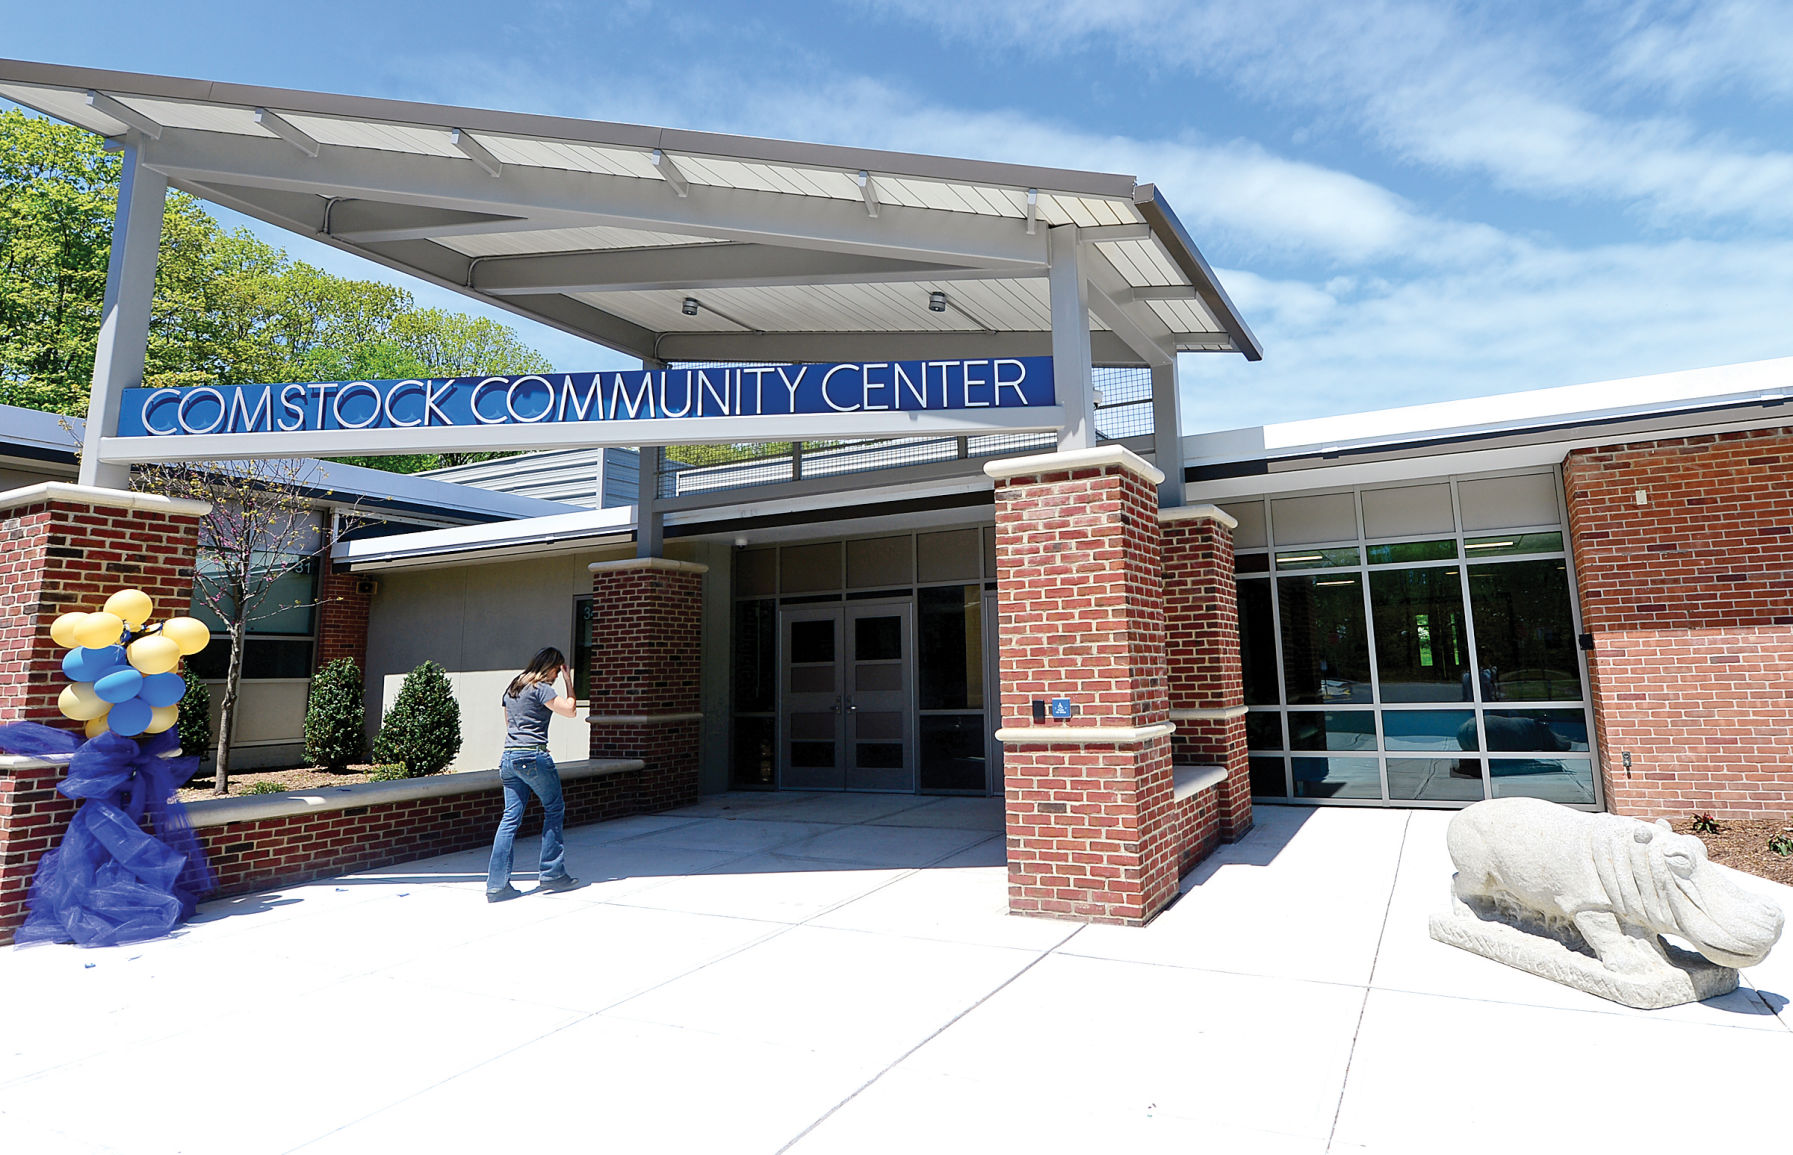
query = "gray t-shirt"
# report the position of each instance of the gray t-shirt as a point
(526, 715)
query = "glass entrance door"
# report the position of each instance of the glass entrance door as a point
(847, 716)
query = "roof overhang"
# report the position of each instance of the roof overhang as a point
(793, 252)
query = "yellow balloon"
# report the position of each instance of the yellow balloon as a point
(154, 654)
(79, 701)
(162, 718)
(189, 634)
(100, 630)
(62, 630)
(95, 726)
(133, 606)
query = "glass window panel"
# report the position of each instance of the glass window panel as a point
(1263, 730)
(1328, 517)
(755, 655)
(884, 725)
(880, 755)
(1410, 509)
(1422, 644)
(1435, 779)
(989, 551)
(1411, 551)
(950, 647)
(751, 763)
(1480, 547)
(880, 561)
(1525, 635)
(1326, 654)
(1332, 730)
(262, 658)
(285, 606)
(950, 555)
(878, 639)
(1336, 778)
(1250, 516)
(806, 568)
(1318, 558)
(810, 727)
(1544, 731)
(581, 655)
(1257, 644)
(812, 755)
(1251, 563)
(1267, 778)
(952, 752)
(1428, 730)
(1501, 502)
(1566, 780)
(812, 641)
(756, 571)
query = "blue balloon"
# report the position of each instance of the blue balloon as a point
(83, 664)
(120, 685)
(129, 718)
(163, 689)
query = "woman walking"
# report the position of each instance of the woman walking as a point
(526, 769)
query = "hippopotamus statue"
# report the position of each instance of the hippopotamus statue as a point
(1583, 898)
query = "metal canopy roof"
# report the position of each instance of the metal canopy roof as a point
(794, 252)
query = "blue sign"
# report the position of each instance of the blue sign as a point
(557, 398)
(1061, 707)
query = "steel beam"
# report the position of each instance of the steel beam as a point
(287, 131)
(1143, 330)
(124, 114)
(124, 317)
(696, 267)
(1071, 349)
(670, 172)
(367, 221)
(476, 152)
(1167, 433)
(781, 348)
(868, 190)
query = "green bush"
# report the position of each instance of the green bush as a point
(265, 788)
(422, 731)
(335, 731)
(1782, 844)
(195, 719)
(386, 773)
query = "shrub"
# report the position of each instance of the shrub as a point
(1705, 824)
(1782, 844)
(264, 788)
(335, 730)
(422, 731)
(386, 773)
(195, 719)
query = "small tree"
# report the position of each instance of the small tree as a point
(335, 730)
(422, 731)
(194, 722)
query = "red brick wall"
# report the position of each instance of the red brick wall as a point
(56, 558)
(647, 620)
(342, 617)
(1091, 828)
(249, 856)
(1201, 612)
(1690, 601)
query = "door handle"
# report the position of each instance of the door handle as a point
(851, 707)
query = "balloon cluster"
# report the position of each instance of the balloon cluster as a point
(121, 669)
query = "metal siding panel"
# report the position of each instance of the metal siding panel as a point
(565, 241)
(201, 117)
(64, 104)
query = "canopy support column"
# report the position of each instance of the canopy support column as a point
(118, 357)
(1167, 433)
(1071, 359)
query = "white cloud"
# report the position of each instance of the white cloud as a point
(1686, 49)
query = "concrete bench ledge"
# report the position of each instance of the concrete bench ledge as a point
(1187, 780)
(255, 807)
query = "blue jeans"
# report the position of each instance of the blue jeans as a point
(524, 772)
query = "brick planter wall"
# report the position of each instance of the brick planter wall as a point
(646, 673)
(1092, 829)
(1207, 684)
(62, 549)
(1689, 597)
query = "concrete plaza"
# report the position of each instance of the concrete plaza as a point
(836, 973)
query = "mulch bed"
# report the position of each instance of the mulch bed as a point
(298, 778)
(1742, 844)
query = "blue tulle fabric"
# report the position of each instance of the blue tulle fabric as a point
(129, 867)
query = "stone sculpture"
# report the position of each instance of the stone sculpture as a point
(1582, 899)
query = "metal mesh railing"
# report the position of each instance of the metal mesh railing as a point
(1124, 411)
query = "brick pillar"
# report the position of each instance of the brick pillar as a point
(1207, 682)
(646, 672)
(1091, 834)
(66, 548)
(344, 600)
(1684, 558)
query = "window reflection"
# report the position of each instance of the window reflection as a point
(1525, 634)
(1257, 643)
(1422, 648)
(1325, 649)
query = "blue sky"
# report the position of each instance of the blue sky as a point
(1409, 202)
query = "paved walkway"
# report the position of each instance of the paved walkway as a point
(836, 973)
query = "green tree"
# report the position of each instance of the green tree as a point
(422, 731)
(335, 723)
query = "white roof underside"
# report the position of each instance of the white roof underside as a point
(794, 251)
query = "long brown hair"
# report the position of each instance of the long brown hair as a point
(539, 669)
